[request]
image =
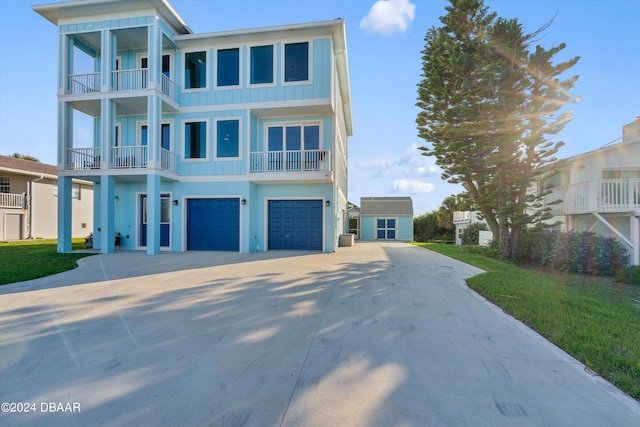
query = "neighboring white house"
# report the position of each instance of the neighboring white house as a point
(29, 201)
(600, 190)
(463, 219)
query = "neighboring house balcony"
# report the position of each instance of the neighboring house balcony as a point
(461, 217)
(122, 81)
(120, 158)
(600, 196)
(12, 201)
(314, 164)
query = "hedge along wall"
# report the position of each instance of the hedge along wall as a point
(583, 252)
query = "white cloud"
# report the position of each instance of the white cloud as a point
(389, 16)
(412, 186)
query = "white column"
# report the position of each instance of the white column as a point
(635, 239)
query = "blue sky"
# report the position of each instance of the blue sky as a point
(384, 41)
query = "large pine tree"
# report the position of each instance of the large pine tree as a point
(489, 102)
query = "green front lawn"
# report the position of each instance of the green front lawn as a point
(30, 259)
(594, 319)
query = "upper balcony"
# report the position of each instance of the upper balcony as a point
(12, 201)
(291, 164)
(599, 196)
(461, 217)
(126, 158)
(121, 81)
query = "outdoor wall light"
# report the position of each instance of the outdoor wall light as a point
(327, 203)
(117, 198)
(175, 202)
(243, 201)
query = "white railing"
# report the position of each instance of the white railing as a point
(601, 195)
(83, 158)
(291, 161)
(129, 157)
(555, 195)
(126, 80)
(11, 200)
(169, 88)
(461, 217)
(167, 160)
(78, 84)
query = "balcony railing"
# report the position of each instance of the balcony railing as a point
(291, 161)
(129, 157)
(12, 201)
(79, 84)
(167, 160)
(83, 158)
(602, 196)
(461, 217)
(125, 157)
(121, 81)
(127, 80)
(169, 88)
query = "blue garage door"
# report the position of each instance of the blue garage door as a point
(213, 224)
(295, 224)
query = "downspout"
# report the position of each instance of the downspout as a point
(30, 195)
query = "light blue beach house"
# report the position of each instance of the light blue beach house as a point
(233, 140)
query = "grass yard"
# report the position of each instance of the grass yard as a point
(594, 319)
(30, 259)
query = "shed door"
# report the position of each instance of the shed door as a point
(295, 224)
(213, 224)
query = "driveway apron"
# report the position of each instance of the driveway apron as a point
(379, 334)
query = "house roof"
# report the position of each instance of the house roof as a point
(386, 206)
(630, 135)
(27, 167)
(54, 12)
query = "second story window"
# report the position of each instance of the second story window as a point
(261, 65)
(228, 67)
(228, 139)
(195, 140)
(296, 62)
(195, 70)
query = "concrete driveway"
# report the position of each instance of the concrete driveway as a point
(381, 334)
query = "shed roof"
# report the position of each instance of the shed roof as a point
(386, 206)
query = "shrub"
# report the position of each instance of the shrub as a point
(471, 234)
(630, 274)
(581, 252)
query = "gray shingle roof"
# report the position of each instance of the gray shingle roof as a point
(32, 168)
(386, 206)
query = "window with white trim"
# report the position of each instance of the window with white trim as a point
(261, 65)
(227, 138)
(195, 70)
(228, 67)
(294, 146)
(195, 140)
(5, 184)
(296, 62)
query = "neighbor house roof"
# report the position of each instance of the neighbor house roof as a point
(27, 167)
(386, 206)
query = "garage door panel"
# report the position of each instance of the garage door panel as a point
(213, 224)
(295, 224)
